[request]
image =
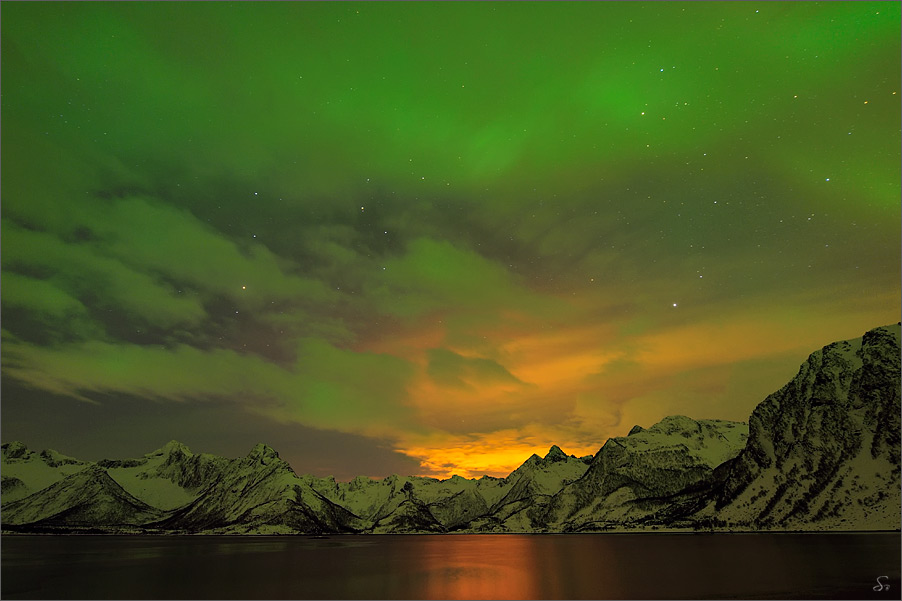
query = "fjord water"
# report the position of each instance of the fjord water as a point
(578, 566)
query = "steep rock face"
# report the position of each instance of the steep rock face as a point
(459, 508)
(823, 450)
(261, 493)
(523, 515)
(410, 515)
(634, 477)
(88, 498)
(26, 471)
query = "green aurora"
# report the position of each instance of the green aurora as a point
(433, 237)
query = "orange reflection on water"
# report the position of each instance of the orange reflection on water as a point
(479, 568)
(507, 567)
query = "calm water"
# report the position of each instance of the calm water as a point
(588, 566)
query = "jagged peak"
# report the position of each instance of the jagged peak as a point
(14, 450)
(891, 334)
(677, 419)
(853, 350)
(91, 470)
(170, 448)
(54, 458)
(555, 454)
(674, 423)
(91, 473)
(175, 446)
(359, 482)
(263, 451)
(680, 424)
(533, 462)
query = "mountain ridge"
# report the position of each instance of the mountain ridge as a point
(820, 453)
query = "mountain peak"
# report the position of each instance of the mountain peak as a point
(56, 459)
(14, 449)
(174, 446)
(675, 423)
(555, 454)
(263, 451)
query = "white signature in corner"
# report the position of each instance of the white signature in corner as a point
(880, 586)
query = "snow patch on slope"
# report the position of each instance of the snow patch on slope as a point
(34, 471)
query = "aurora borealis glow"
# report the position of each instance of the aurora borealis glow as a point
(433, 238)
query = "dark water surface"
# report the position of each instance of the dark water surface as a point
(578, 566)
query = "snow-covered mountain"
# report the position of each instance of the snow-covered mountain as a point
(634, 477)
(821, 453)
(261, 493)
(528, 490)
(62, 491)
(167, 478)
(25, 472)
(412, 503)
(403, 504)
(411, 515)
(88, 498)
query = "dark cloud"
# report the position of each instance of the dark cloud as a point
(127, 426)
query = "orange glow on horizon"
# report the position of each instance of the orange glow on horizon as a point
(495, 454)
(569, 385)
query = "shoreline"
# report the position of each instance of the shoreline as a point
(684, 531)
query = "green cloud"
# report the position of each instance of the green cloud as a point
(59, 314)
(328, 388)
(173, 243)
(435, 274)
(103, 282)
(335, 387)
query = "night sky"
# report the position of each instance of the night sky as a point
(433, 238)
